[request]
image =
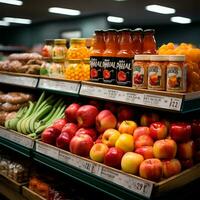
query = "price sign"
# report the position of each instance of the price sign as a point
(159, 101)
(66, 157)
(47, 150)
(58, 85)
(87, 90)
(19, 80)
(132, 183)
(135, 98)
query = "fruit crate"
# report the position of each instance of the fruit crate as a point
(100, 174)
(16, 141)
(30, 195)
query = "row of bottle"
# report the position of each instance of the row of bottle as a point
(160, 72)
(113, 52)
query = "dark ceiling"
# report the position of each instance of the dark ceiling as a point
(131, 10)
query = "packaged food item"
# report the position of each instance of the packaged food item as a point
(59, 50)
(57, 69)
(96, 70)
(109, 56)
(140, 71)
(157, 72)
(149, 42)
(47, 49)
(137, 37)
(77, 49)
(176, 74)
(86, 69)
(45, 67)
(124, 58)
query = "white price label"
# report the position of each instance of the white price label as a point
(162, 102)
(47, 150)
(5, 133)
(19, 80)
(87, 90)
(66, 157)
(58, 85)
(139, 186)
(135, 98)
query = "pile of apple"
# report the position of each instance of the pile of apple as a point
(151, 148)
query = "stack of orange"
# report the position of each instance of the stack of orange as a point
(192, 60)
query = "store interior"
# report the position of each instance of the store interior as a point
(72, 126)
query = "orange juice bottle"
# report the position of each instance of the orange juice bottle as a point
(96, 71)
(124, 58)
(109, 57)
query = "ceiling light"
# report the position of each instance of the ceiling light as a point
(64, 11)
(17, 20)
(3, 23)
(181, 20)
(120, 0)
(12, 2)
(160, 9)
(115, 19)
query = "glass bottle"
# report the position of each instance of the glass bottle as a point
(149, 42)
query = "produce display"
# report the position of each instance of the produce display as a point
(141, 144)
(32, 119)
(11, 102)
(192, 55)
(14, 167)
(28, 63)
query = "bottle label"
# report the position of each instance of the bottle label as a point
(176, 78)
(109, 70)
(96, 70)
(138, 75)
(124, 71)
(154, 76)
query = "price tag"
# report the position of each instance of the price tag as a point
(132, 183)
(158, 101)
(5, 133)
(58, 85)
(46, 150)
(19, 80)
(135, 98)
(87, 90)
(66, 157)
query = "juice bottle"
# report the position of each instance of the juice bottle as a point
(124, 58)
(149, 42)
(109, 57)
(137, 38)
(96, 71)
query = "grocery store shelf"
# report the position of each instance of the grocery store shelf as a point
(10, 188)
(176, 102)
(19, 79)
(59, 85)
(16, 141)
(30, 195)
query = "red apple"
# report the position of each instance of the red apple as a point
(63, 140)
(110, 137)
(142, 130)
(81, 145)
(130, 162)
(171, 167)
(59, 123)
(70, 112)
(196, 128)
(111, 106)
(113, 157)
(145, 151)
(89, 131)
(143, 140)
(86, 116)
(186, 163)
(180, 131)
(151, 169)
(125, 113)
(98, 151)
(147, 119)
(105, 120)
(125, 142)
(95, 103)
(127, 126)
(158, 131)
(70, 128)
(165, 149)
(49, 135)
(186, 150)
